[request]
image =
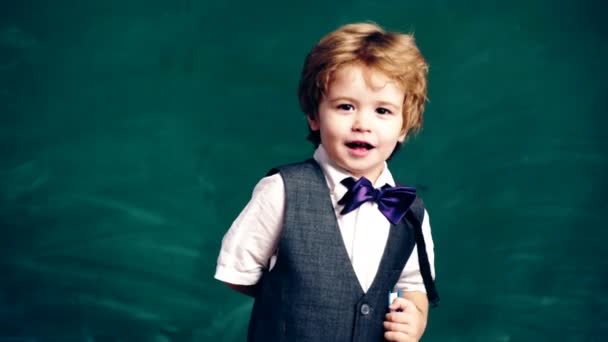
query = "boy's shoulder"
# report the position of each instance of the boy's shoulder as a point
(417, 209)
(301, 166)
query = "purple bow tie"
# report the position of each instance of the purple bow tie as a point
(393, 202)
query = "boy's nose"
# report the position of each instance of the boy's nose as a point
(361, 123)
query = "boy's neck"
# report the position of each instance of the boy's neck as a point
(372, 178)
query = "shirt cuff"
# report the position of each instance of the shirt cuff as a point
(232, 276)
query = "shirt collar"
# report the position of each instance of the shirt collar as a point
(335, 174)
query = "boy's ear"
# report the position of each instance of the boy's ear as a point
(401, 137)
(312, 122)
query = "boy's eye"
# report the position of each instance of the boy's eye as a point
(382, 110)
(345, 106)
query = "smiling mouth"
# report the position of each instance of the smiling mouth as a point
(359, 145)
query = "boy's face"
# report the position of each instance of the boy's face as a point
(360, 120)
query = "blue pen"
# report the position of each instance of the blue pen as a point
(390, 295)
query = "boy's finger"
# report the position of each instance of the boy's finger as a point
(402, 327)
(399, 317)
(397, 336)
(401, 304)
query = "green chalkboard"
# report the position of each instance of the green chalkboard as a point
(132, 133)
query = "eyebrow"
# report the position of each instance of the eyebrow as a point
(342, 98)
(389, 104)
(350, 99)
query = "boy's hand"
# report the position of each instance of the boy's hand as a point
(406, 325)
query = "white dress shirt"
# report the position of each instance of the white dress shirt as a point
(250, 244)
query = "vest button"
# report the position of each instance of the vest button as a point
(365, 309)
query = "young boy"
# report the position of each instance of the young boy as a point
(322, 243)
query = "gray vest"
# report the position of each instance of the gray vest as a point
(312, 293)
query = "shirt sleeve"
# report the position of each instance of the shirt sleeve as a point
(252, 238)
(411, 279)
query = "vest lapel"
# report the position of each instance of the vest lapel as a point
(335, 234)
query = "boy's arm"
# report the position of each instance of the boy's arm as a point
(414, 304)
(250, 242)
